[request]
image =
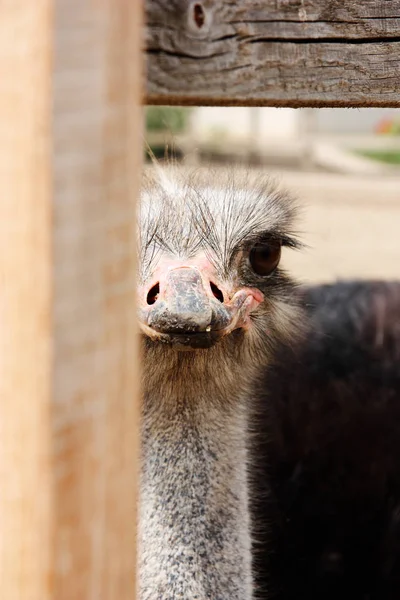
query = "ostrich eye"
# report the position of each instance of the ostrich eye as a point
(264, 258)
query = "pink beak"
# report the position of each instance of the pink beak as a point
(185, 310)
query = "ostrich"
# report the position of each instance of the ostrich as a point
(213, 302)
(331, 407)
(270, 420)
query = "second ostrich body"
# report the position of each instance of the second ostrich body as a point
(328, 451)
(213, 302)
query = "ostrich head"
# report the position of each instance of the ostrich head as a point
(213, 297)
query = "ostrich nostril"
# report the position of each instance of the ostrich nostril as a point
(153, 294)
(217, 292)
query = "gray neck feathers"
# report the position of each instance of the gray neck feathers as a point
(194, 531)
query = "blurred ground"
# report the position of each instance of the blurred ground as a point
(350, 223)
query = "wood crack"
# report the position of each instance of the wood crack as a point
(314, 21)
(176, 54)
(321, 40)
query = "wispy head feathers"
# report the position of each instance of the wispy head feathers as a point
(217, 212)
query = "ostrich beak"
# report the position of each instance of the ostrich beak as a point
(188, 312)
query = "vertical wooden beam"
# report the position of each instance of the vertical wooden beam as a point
(69, 170)
(25, 300)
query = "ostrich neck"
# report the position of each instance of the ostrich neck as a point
(194, 533)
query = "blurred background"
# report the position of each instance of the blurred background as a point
(343, 164)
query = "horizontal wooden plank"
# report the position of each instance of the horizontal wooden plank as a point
(273, 52)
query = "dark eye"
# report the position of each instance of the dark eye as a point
(264, 258)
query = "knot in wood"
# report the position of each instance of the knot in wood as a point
(199, 18)
(198, 14)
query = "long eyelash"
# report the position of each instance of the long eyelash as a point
(288, 241)
(293, 242)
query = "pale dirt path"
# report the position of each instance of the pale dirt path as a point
(351, 224)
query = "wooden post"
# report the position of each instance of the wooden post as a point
(69, 170)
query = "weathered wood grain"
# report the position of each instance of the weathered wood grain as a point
(25, 301)
(97, 144)
(70, 128)
(273, 52)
